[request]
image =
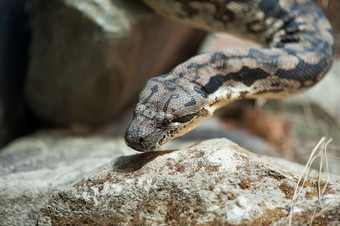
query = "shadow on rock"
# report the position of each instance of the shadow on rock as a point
(131, 163)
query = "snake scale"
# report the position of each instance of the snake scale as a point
(298, 51)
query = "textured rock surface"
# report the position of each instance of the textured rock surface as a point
(34, 167)
(213, 182)
(90, 58)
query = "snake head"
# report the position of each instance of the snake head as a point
(148, 129)
(165, 110)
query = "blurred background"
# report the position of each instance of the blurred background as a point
(77, 67)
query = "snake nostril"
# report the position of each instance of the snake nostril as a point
(141, 140)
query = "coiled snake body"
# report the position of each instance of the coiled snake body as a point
(300, 50)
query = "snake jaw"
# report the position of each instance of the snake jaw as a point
(151, 137)
(143, 143)
(147, 134)
(142, 135)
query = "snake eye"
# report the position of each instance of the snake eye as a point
(165, 123)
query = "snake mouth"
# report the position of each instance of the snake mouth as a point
(140, 141)
(147, 135)
(140, 147)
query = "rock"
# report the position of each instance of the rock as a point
(15, 119)
(219, 40)
(89, 59)
(214, 182)
(32, 168)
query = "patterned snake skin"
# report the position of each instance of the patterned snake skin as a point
(299, 50)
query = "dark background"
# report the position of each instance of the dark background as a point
(15, 118)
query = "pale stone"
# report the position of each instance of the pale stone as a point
(32, 168)
(213, 182)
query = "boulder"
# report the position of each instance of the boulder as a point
(89, 59)
(32, 168)
(214, 182)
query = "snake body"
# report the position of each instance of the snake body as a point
(299, 50)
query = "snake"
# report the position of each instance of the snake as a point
(297, 50)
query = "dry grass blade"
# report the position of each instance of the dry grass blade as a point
(304, 175)
(323, 157)
(308, 112)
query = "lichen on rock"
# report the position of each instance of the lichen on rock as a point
(213, 182)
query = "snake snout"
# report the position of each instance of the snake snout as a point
(134, 142)
(140, 140)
